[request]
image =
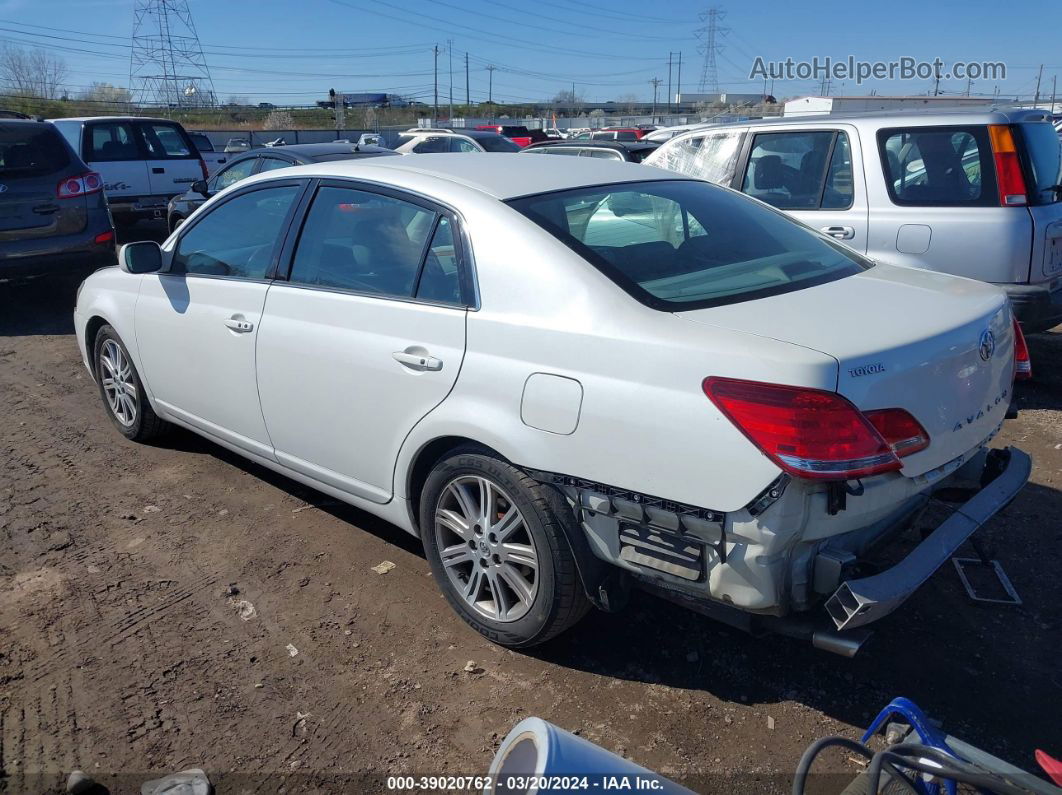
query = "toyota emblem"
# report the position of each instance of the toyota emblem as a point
(987, 345)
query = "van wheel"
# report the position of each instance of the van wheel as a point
(496, 544)
(122, 390)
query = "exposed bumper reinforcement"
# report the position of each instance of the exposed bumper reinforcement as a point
(859, 602)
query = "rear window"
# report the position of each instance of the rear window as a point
(31, 150)
(678, 245)
(1044, 150)
(497, 144)
(939, 166)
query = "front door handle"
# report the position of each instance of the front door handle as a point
(839, 232)
(239, 324)
(417, 359)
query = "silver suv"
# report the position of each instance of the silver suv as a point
(972, 193)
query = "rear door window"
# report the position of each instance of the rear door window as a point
(938, 166)
(111, 141)
(458, 144)
(431, 144)
(31, 150)
(202, 143)
(805, 170)
(232, 174)
(361, 241)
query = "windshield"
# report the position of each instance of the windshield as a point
(497, 144)
(678, 245)
(1045, 158)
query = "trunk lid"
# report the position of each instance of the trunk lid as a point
(903, 338)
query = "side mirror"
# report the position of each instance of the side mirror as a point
(200, 186)
(142, 257)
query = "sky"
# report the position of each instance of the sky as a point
(289, 52)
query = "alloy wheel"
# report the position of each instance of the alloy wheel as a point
(486, 548)
(118, 383)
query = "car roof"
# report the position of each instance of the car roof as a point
(450, 131)
(635, 146)
(503, 175)
(908, 117)
(316, 150)
(115, 118)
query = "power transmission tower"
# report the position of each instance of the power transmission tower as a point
(710, 35)
(166, 62)
(656, 81)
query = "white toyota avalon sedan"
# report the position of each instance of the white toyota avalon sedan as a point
(570, 377)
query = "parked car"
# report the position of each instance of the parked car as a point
(236, 145)
(143, 161)
(619, 134)
(627, 151)
(257, 161)
(969, 192)
(211, 156)
(517, 133)
(639, 379)
(554, 134)
(53, 214)
(434, 140)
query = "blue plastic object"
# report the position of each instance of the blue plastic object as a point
(929, 734)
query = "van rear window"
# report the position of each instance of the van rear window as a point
(31, 150)
(938, 166)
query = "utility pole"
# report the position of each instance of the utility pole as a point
(450, 58)
(1039, 76)
(435, 112)
(1054, 78)
(969, 85)
(936, 80)
(670, 96)
(656, 82)
(678, 87)
(468, 101)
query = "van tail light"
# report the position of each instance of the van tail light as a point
(1022, 360)
(902, 432)
(79, 186)
(812, 433)
(203, 167)
(1009, 178)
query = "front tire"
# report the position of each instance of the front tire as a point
(121, 389)
(495, 541)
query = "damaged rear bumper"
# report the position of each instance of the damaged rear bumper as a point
(862, 601)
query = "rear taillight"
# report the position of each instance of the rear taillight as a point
(902, 432)
(203, 167)
(104, 237)
(1009, 178)
(1022, 360)
(79, 186)
(809, 433)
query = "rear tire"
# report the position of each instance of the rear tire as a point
(121, 389)
(505, 567)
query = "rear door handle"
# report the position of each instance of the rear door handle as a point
(239, 324)
(839, 232)
(46, 209)
(417, 361)
(158, 170)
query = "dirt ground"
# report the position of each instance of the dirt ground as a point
(123, 653)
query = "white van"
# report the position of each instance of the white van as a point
(144, 162)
